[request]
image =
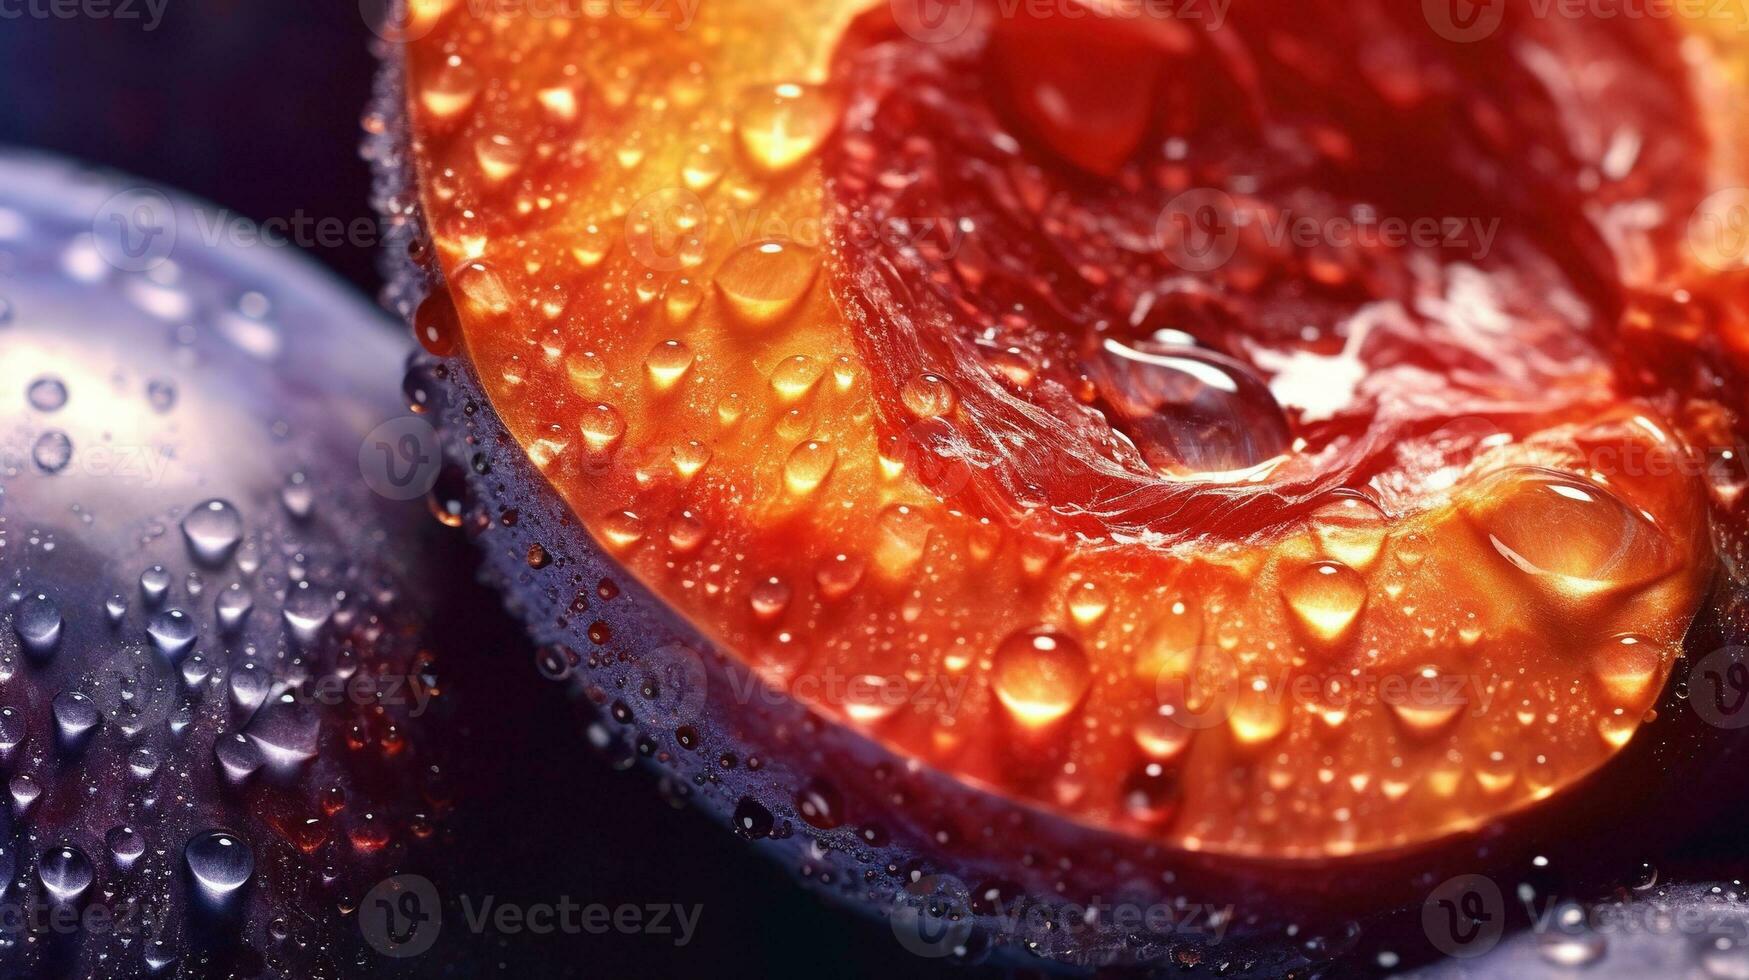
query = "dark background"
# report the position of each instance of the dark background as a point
(254, 105)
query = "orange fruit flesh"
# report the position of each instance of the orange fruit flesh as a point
(637, 227)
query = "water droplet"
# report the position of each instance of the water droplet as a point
(155, 584)
(115, 607)
(238, 758)
(1189, 412)
(808, 466)
(1581, 947)
(1351, 530)
(1161, 737)
(126, 845)
(38, 624)
(12, 732)
(47, 394)
(286, 731)
(667, 363)
(249, 686)
(1627, 665)
(173, 633)
(820, 804)
(499, 156)
(53, 451)
(784, 124)
(839, 575)
(1327, 596)
(1151, 793)
(1429, 704)
(220, 862)
(904, 533)
(161, 395)
(307, 610)
(450, 89)
(929, 396)
(213, 529)
(1088, 602)
(752, 820)
(763, 281)
(143, 763)
(795, 376)
(769, 598)
(1571, 537)
(1040, 675)
(65, 873)
(76, 717)
(602, 428)
(234, 603)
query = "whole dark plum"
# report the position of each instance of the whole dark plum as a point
(216, 699)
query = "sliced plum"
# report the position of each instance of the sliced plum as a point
(1292, 440)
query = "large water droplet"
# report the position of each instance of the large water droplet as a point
(173, 633)
(233, 605)
(47, 394)
(238, 758)
(1189, 412)
(53, 451)
(1571, 537)
(76, 717)
(1627, 665)
(286, 731)
(1326, 596)
(213, 529)
(66, 873)
(155, 584)
(221, 862)
(1040, 675)
(782, 125)
(38, 624)
(763, 281)
(307, 610)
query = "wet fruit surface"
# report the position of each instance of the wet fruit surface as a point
(216, 699)
(985, 408)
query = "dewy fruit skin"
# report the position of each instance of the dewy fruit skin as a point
(217, 704)
(1043, 567)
